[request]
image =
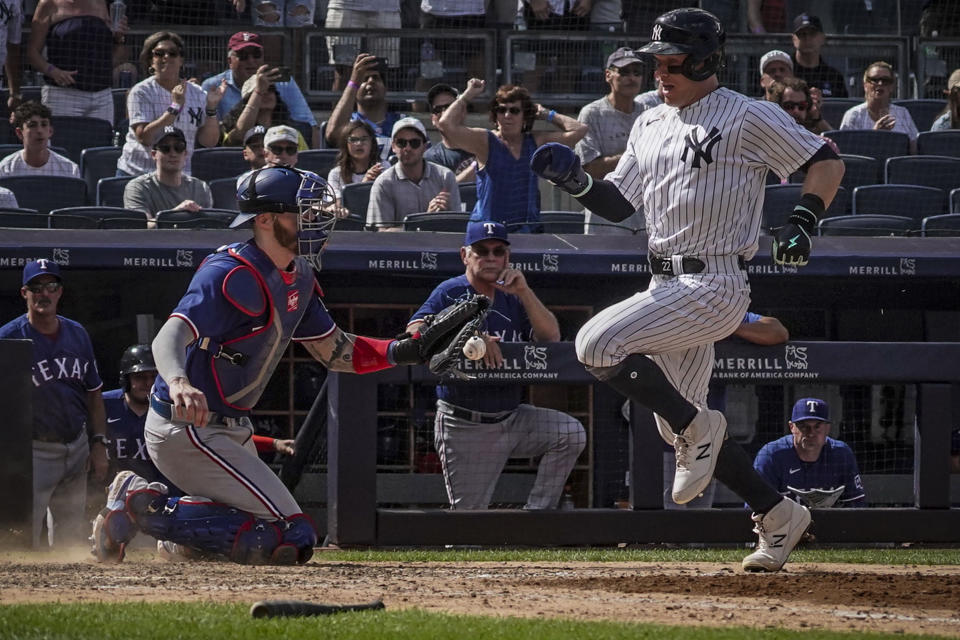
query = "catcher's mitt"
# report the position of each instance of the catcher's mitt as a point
(439, 332)
(445, 361)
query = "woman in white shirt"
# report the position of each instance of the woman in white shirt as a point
(877, 112)
(165, 99)
(357, 160)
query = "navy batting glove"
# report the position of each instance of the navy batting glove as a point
(561, 166)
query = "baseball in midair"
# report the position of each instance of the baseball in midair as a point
(475, 348)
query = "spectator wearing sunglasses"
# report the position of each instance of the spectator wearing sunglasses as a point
(32, 124)
(260, 104)
(507, 190)
(413, 185)
(281, 144)
(950, 118)
(439, 99)
(609, 121)
(794, 96)
(877, 111)
(69, 421)
(166, 100)
(356, 161)
(167, 187)
(245, 59)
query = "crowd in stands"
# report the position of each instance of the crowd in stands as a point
(79, 46)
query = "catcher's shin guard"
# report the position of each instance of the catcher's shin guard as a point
(113, 527)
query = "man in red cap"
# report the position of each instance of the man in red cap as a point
(245, 58)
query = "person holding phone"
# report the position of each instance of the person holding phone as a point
(245, 58)
(260, 103)
(163, 100)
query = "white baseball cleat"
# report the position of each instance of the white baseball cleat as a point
(780, 529)
(113, 528)
(697, 448)
(173, 552)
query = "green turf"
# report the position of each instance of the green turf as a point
(195, 621)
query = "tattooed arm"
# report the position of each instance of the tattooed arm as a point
(335, 351)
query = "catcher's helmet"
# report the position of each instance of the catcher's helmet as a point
(690, 31)
(136, 358)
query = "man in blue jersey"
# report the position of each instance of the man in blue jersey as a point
(69, 431)
(477, 429)
(809, 466)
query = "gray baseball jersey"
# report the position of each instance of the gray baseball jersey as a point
(699, 172)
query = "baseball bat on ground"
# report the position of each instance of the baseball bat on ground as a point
(294, 608)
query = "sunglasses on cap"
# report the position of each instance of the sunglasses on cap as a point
(498, 251)
(881, 80)
(49, 287)
(178, 147)
(289, 149)
(502, 110)
(790, 106)
(440, 108)
(166, 53)
(403, 142)
(248, 53)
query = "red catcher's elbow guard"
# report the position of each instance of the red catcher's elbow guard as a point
(370, 354)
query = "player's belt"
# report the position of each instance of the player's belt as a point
(679, 265)
(475, 416)
(165, 410)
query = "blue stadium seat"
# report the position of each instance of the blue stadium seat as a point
(562, 221)
(940, 172)
(110, 190)
(440, 221)
(867, 225)
(97, 218)
(955, 201)
(44, 193)
(119, 106)
(224, 191)
(859, 171)
(832, 109)
(203, 219)
(320, 161)
(947, 224)
(468, 195)
(900, 200)
(867, 142)
(351, 223)
(779, 200)
(19, 218)
(923, 110)
(356, 198)
(97, 163)
(210, 163)
(939, 143)
(76, 133)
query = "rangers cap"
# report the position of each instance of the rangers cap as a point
(40, 267)
(810, 409)
(485, 230)
(775, 54)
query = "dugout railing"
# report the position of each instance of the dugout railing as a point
(353, 517)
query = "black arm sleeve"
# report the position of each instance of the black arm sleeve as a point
(825, 152)
(605, 200)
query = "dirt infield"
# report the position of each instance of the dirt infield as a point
(912, 599)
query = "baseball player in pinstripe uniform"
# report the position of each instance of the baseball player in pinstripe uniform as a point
(698, 164)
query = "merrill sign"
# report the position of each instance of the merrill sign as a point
(791, 365)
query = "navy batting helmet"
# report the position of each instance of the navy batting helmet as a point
(136, 358)
(694, 32)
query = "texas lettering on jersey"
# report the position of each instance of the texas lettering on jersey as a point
(65, 368)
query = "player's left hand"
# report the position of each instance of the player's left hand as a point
(98, 462)
(791, 245)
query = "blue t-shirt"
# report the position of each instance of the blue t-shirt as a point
(289, 92)
(507, 319)
(125, 432)
(780, 465)
(507, 190)
(64, 371)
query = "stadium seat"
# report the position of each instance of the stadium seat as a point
(923, 111)
(947, 224)
(320, 161)
(440, 221)
(351, 223)
(97, 218)
(939, 143)
(867, 142)
(76, 133)
(832, 109)
(203, 219)
(44, 193)
(119, 106)
(867, 225)
(859, 171)
(955, 201)
(940, 172)
(224, 192)
(562, 221)
(779, 200)
(900, 200)
(23, 218)
(211, 163)
(468, 195)
(356, 198)
(97, 163)
(110, 190)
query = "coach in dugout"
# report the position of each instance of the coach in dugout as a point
(809, 466)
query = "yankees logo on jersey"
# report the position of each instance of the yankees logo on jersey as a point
(702, 149)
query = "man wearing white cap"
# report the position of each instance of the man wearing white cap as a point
(413, 185)
(775, 65)
(281, 145)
